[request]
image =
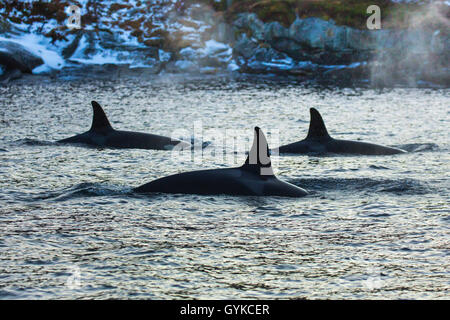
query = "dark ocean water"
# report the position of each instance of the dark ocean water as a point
(372, 227)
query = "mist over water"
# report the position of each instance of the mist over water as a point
(419, 52)
(372, 227)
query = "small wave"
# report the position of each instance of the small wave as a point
(404, 187)
(7, 294)
(400, 187)
(83, 190)
(3, 150)
(419, 147)
(378, 167)
(33, 142)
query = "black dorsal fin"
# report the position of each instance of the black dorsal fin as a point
(258, 159)
(317, 127)
(99, 121)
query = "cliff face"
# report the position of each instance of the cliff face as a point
(225, 36)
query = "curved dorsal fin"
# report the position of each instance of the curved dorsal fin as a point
(99, 121)
(317, 127)
(258, 159)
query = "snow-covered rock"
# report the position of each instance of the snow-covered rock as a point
(15, 56)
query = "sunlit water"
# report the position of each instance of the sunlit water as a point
(372, 227)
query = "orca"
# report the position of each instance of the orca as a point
(102, 134)
(254, 178)
(318, 141)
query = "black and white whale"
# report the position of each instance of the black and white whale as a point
(254, 178)
(102, 134)
(319, 141)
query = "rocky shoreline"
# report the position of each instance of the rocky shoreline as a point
(198, 40)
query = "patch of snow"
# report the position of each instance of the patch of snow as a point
(105, 56)
(232, 66)
(188, 53)
(164, 56)
(306, 64)
(354, 65)
(223, 52)
(187, 29)
(208, 69)
(277, 65)
(342, 66)
(213, 46)
(99, 57)
(44, 68)
(38, 45)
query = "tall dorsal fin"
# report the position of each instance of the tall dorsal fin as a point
(317, 127)
(258, 159)
(99, 121)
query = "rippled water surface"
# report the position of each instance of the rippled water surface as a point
(372, 227)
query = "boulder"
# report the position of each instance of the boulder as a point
(245, 47)
(274, 31)
(251, 22)
(16, 56)
(309, 32)
(310, 39)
